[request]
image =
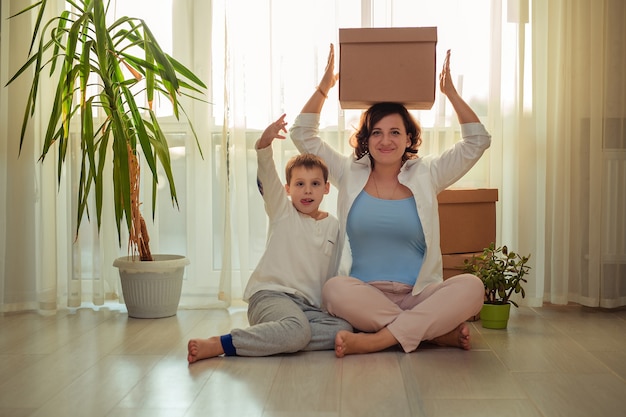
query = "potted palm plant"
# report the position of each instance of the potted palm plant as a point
(502, 272)
(119, 60)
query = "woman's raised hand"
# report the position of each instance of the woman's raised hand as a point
(328, 81)
(330, 77)
(464, 112)
(446, 85)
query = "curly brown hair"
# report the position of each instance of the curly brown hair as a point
(360, 138)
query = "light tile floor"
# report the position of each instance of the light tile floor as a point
(551, 361)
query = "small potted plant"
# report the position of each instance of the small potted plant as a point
(116, 127)
(502, 272)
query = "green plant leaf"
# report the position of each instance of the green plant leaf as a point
(76, 45)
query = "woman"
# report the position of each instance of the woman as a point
(391, 286)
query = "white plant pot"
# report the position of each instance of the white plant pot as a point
(152, 288)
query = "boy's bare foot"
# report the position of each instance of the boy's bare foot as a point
(459, 337)
(198, 349)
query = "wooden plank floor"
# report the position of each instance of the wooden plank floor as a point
(551, 361)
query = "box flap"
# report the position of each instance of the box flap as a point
(404, 34)
(457, 260)
(473, 195)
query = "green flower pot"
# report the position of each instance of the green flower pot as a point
(495, 316)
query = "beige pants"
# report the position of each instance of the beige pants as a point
(437, 310)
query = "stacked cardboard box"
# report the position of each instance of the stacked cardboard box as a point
(467, 224)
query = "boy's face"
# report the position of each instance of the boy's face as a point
(307, 189)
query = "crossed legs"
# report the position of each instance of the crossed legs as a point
(388, 314)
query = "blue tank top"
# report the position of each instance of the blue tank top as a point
(386, 239)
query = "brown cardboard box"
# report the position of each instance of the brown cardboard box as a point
(387, 64)
(453, 263)
(467, 219)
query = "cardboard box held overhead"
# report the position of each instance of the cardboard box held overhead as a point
(387, 64)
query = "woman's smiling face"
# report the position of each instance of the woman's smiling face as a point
(388, 140)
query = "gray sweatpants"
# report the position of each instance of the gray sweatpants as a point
(285, 323)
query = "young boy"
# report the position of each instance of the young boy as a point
(284, 291)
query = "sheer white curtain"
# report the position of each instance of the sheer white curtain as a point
(43, 265)
(546, 78)
(273, 68)
(27, 244)
(558, 131)
(580, 84)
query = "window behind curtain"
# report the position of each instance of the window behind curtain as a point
(268, 57)
(168, 233)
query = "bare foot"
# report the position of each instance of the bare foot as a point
(348, 343)
(459, 337)
(342, 342)
(198, 349)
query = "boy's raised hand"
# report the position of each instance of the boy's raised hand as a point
(272, 132)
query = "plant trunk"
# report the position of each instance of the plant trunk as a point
(138, 239)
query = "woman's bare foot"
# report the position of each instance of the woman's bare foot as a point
(348, 343)
(342, 342)
(459, 337)
(198, 349)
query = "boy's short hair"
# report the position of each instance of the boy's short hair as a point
(308, 161)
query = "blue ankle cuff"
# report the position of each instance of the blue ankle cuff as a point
(227, 345)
